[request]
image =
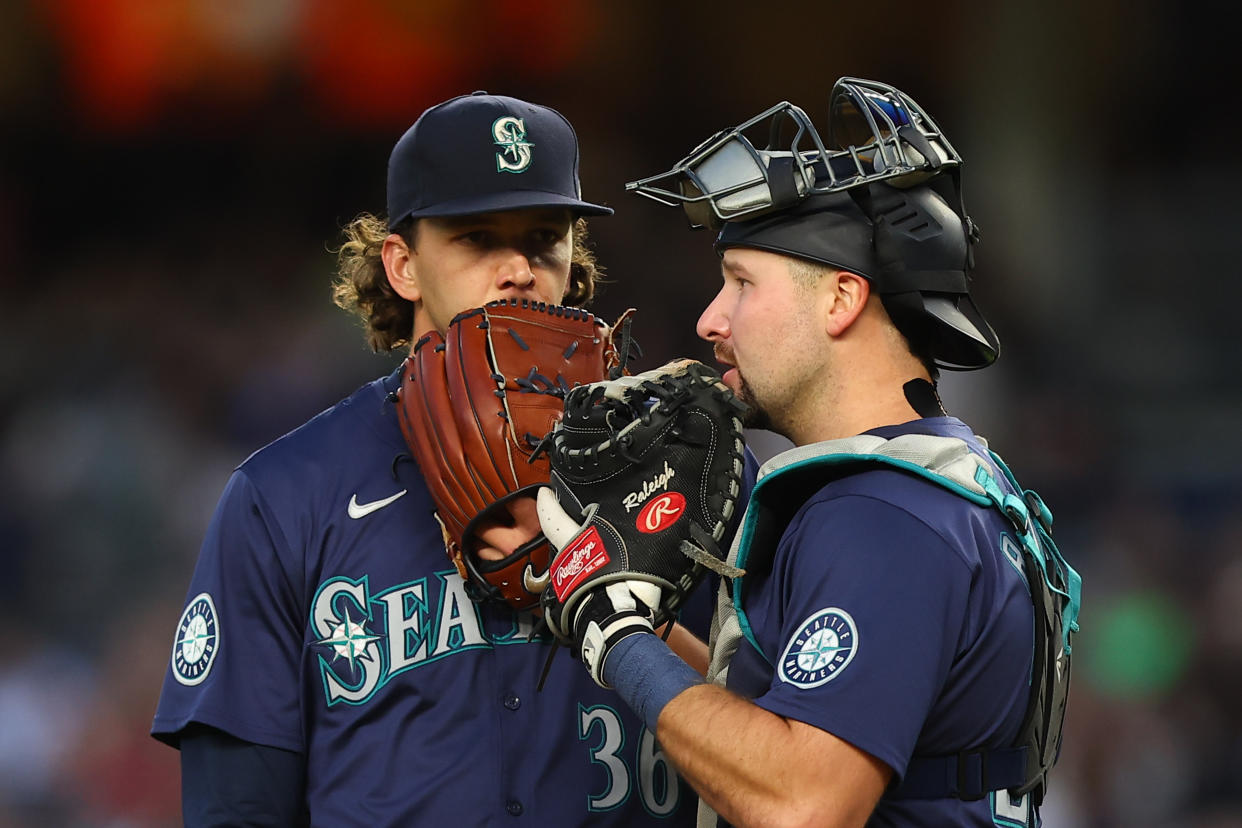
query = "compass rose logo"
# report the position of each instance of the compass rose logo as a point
(509, 134)
(197, 642)
(350, 640)
(824, 644)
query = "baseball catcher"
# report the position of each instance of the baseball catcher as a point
(646, 473)
(475, 404)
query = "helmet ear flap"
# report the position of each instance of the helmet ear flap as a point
(905, 311)
(923, 248)
(943, 329)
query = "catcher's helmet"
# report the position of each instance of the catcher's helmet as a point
(882, 198)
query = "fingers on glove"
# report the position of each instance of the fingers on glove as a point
(643, 596)
(638, 597)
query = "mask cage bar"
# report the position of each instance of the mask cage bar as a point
(686, 168)
(818, 170)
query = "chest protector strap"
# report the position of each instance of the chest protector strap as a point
(784, 483)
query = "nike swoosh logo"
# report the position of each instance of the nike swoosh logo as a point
(535, 585)
(360, 510)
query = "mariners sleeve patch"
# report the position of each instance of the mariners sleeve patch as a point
(197, 641)
(823, 646)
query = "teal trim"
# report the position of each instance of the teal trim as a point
(751, 517)
(985, 479)
(1008, 821)
(1000, 464)
(744, 622)
(1033, 534)
(749, 520)
(1070, 618)
(1045, 514)
(1073, 581)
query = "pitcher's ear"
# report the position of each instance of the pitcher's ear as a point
(400, 266)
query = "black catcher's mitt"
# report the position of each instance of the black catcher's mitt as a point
(646, 474)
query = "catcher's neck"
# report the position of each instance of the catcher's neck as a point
(843, 417)
(857, 395)
(862, 380)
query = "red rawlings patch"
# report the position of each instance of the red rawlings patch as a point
(661, 513)
(578, 560)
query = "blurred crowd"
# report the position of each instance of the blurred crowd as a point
(166, 222)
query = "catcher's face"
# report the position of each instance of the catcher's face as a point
(765, 326)
(462, 262)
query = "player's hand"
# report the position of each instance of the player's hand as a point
(591, 615)
(608, 615)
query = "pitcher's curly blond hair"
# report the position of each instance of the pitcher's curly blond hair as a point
(361, 285)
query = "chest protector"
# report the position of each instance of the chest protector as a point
(782, 487)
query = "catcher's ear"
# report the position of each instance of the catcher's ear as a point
(399, 265)
(847, 295)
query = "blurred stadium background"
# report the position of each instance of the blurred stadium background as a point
(174, 173)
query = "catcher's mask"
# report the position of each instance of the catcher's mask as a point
(881, 198)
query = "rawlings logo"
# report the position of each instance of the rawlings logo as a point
(661, 513)
(650, 487)
(582, 557)
(577, 560)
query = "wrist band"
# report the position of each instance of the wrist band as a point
(647, 675)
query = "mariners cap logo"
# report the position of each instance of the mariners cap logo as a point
(197, 642)
(823, 646)
(509, 134)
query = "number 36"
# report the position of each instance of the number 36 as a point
(658, 784)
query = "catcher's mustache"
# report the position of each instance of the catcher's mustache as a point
(723, 354)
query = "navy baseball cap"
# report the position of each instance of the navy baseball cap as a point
(482, 153)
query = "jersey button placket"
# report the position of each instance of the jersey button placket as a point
(517, 790)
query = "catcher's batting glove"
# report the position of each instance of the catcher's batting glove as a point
(605, 613)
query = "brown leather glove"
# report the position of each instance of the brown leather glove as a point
(474, 405)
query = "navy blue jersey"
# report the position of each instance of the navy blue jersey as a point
(324, 618)
(895, 616)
